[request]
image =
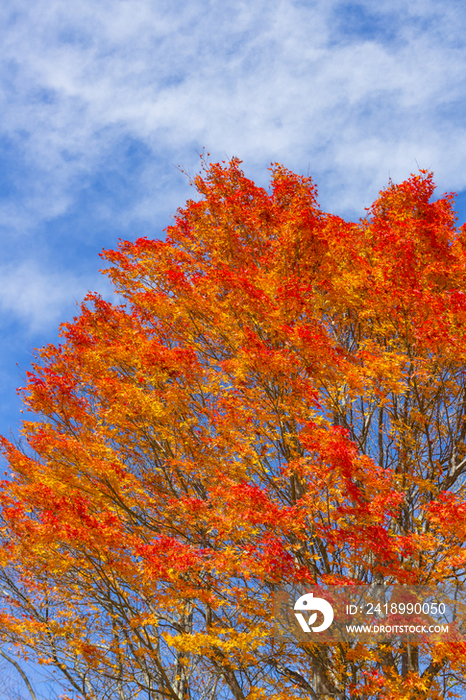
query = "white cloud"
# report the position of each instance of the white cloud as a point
(264, 81)
(38, 297)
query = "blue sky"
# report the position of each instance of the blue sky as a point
(101, 101)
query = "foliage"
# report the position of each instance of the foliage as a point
(281, 398)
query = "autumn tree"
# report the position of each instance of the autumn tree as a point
(281, 398)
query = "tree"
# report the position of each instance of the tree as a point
(281, 398)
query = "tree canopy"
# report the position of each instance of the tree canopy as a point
(280, 397)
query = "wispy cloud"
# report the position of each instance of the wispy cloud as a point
(38, 297)
(355, 90)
